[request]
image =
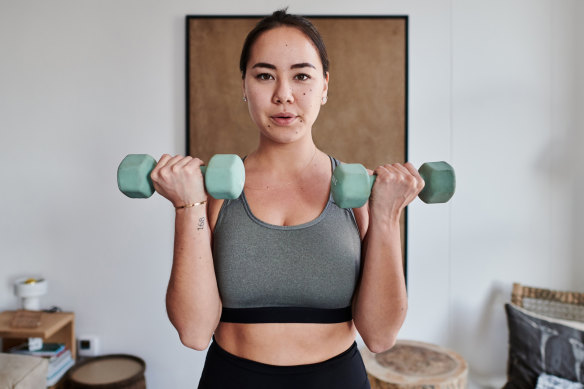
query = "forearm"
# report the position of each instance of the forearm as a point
(381, 302)
(192, 298)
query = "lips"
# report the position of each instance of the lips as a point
(283, 118)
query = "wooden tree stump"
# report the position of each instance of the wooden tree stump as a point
(415, 365)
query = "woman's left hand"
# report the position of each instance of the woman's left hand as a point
(395, 187)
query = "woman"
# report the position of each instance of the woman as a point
(281, 278)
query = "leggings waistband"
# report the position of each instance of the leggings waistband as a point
(264, 368)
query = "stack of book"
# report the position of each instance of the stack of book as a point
(59, 357)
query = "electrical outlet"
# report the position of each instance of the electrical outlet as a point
(88, 345)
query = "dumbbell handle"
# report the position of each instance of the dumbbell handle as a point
(431, 185)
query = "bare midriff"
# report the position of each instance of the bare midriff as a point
(286, 344)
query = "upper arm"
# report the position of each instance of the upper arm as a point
(213, 209)
(362, 219)
(362, 216)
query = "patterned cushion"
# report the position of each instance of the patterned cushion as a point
(542, 345)
(546, 381)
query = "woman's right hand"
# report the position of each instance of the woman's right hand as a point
(179, 179)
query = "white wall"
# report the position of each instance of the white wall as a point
(513, 114)
(578, 161)
(494, 88)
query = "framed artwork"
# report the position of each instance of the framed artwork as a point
(365, 118)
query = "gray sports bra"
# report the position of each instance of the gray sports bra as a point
(286, 274)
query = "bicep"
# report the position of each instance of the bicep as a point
(362, 219)
(213, 209)
(362, 216)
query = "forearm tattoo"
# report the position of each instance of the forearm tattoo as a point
(201, 225)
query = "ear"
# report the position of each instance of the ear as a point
(325, 88)
(243, 88)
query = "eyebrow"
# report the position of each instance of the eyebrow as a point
(295, 66)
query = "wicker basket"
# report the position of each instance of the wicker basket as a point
(551, 303)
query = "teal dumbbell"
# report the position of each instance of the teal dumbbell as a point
(224, 176)
(351, 184)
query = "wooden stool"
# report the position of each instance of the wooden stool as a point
(115, 371)
(415, 365)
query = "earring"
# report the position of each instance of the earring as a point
(244, 99)
(324, 99)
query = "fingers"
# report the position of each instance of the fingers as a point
(401, 173)
(190, 163)
(414, 172)
(175, 163)
(162, 162)
(180, 161)
(395, 172)
(165, 160)
(170, 169)
(398, 183)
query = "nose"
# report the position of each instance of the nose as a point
(283, 93)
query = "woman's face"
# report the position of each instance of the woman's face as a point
(284, 84)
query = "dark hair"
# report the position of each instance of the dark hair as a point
(278, 19)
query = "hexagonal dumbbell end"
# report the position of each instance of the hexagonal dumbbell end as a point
(224, 176)
(134, 176)
(440, 182)
(351, 185)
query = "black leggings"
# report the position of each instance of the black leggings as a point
(225, 371)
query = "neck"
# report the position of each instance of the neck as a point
(289, 158)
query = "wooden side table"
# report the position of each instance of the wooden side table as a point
(415, 365)
(57, 327)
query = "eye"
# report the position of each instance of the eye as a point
(264, 76)
(302, 77)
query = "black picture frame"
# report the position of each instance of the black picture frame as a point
(205, 143)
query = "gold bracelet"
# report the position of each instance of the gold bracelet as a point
(191, 205)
